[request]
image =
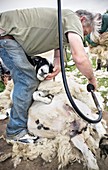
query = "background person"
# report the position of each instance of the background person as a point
(99, 44)
(93, 41)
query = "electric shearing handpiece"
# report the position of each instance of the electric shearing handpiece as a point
(90, 88)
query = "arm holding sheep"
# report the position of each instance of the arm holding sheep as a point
(57, 68)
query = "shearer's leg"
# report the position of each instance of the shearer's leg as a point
(25, 83)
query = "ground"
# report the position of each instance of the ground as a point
(38, 164)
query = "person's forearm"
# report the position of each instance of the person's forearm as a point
(80, 58)
(57, 57)
(85, 68)
(57, 53)
(56, 63)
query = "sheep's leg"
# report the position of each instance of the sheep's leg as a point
(103, 145)
(107, 64)
(99, 64)
(42, 97)
(100, 129)
(79, 143)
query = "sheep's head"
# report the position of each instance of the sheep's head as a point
(42, 67)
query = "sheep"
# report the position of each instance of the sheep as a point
(58, 120)
(61, 131)
(101, 50)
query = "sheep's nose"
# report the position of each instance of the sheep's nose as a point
(42, 70)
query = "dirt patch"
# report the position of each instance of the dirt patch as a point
(37, 164)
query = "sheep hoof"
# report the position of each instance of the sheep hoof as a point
(103, 145)
(41, 97)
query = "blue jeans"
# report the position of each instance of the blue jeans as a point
(25, 83)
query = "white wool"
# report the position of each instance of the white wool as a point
(61, 147)
(98, 23)
(7, 91)
(61, 139)
(90, 140)
(91, 161)
(62, 122)
(64, 150)
(67, 153)
(53, 115)
(48, 149)
(44, 148)
(56, 115)
(5, 100)
(78, 91)
(100, 129)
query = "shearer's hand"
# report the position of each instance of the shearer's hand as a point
(57, 66)
(93, 82)
(55, 72)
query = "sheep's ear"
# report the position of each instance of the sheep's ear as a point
(37, 59)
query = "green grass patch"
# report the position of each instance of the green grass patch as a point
(2, 86)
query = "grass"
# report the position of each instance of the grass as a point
(2, 86)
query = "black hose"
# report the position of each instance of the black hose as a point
(64, 75)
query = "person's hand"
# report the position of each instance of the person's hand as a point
(57, 66)
(93, 82)
(56, 70)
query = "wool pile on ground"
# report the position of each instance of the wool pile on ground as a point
(5, 99)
